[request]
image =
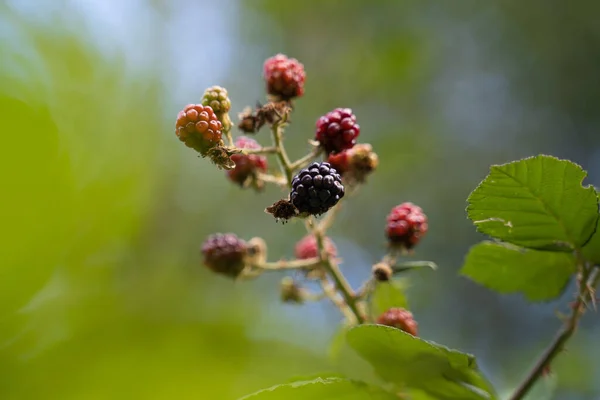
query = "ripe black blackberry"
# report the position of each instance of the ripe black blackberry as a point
(225, 253)
(316, 188)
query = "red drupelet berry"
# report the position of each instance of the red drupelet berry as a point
(198, 127)
(307, 247)
(399, 318)
(406, 225)
(284, 77)
(340, 161)
(337, 130)
(246, 165)
(225, 253)
(355, 164)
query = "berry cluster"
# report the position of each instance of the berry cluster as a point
(246, 165)
(406, 225)
(225, 253)
(399, 318)
(198, 127)
(315, 183)
(316, 188)
(308, 248)
(337, 130)
(284, 77)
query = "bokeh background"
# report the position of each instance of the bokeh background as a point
(102, 210)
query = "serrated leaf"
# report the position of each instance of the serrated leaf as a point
(323, 388)
(408, 361)
(538, 275)
(387, 295)
(537, 202)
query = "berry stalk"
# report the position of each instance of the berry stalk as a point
(589, 280)
(284, 160)
(333, 270)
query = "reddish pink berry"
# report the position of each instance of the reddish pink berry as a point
(246, 165)
(307, 247)
(224, 253)
(406, 225)
(355, 164)
(284, 77)
(399, 318)
(337, 130)
(198, 127)
(340, 161)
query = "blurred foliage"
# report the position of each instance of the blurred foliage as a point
(103, 210)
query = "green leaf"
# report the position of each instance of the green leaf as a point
(539, 275)
(323, 388)
(408, 361)
(387, 295)
(408, 265)
(591, 251)
(537, 202)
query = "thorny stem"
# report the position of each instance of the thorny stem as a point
(590, 277)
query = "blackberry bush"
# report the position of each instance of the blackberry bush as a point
(536, 211)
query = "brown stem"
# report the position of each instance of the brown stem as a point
(588, 282)
(262, 150)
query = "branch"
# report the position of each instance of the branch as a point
(262, 150)
(304, 161)
(332, 294)
(589, 281)
(291, 264)
(284, 160)
(333, 270)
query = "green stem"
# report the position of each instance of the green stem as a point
(589, 281)
(284, 160)
(330, 292)
(304, 161)
(291, 264)
(333, 270)
(281, 181)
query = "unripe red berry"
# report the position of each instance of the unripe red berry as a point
(225, 254)
(284, 77)
(246, 165)
(307, 247)
(355, 164)
(198, 127)
(399, 318)
(406, 225)
(337, 130)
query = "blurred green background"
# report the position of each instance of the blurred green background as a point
(102, 210)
